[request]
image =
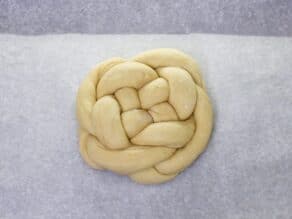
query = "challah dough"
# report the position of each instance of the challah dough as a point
(148, 117)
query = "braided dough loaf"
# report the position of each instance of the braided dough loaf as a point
(148, 117)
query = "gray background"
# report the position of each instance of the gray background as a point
(248, 17)
(244, 173)
(246, 169)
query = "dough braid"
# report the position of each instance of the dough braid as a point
(148, 117)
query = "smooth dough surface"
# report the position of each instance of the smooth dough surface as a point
(148, 117)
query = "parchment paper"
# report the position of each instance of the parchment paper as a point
(246, 171)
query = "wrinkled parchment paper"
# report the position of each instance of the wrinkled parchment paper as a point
(246, 171)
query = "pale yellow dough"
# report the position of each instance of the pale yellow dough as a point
(148, 117)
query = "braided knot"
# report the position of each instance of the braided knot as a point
(148, 117)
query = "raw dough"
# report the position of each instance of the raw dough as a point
(148, 117)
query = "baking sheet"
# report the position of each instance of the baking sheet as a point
(246, 171)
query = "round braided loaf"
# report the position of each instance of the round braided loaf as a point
(148, 117)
